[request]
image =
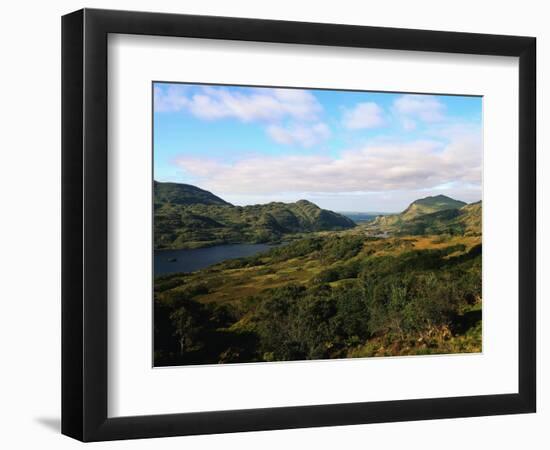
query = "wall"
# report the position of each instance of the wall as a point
(30, 236)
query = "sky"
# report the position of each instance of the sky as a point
(343, 150)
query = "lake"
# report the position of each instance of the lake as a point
(190, 260)
(359, 217)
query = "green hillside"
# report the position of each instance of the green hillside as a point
(431, 215)
(184, 194)
(189, 217)
(430, 205)
(463, 221)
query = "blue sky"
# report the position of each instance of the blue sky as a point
(343, 150)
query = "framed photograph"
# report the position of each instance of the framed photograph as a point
(272, 224)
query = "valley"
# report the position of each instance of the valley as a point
(393, 285)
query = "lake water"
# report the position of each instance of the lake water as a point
(359, 217)
(190, 260)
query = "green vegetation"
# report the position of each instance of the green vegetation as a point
(334, 296)
(184, 194)
(430, 205)
(189, 217)
(432, 215)
(327, 294)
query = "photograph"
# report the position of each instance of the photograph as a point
(267, 225)
(297, 224)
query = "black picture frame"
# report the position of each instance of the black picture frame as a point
(84, 224)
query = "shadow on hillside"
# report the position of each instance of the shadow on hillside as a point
(461, 324)
(219, 347)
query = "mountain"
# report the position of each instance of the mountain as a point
(184, 194)
(431, 215)
(190, 217)
(460, 221)
(430, 205)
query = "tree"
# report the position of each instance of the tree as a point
(189, 323)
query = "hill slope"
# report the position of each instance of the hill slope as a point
(184, 194)
(462, 221)
(430, 205)
(189, 217)
(431, 215)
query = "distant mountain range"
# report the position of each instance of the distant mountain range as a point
(189, 217)
(431, 215)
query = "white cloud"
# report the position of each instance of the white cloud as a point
(419, 107)
(454, 130)
(364, 115)
(287, 114)
(259, 105)
(303, 135)
(171, 99)
(408, 124)
(376, 168)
